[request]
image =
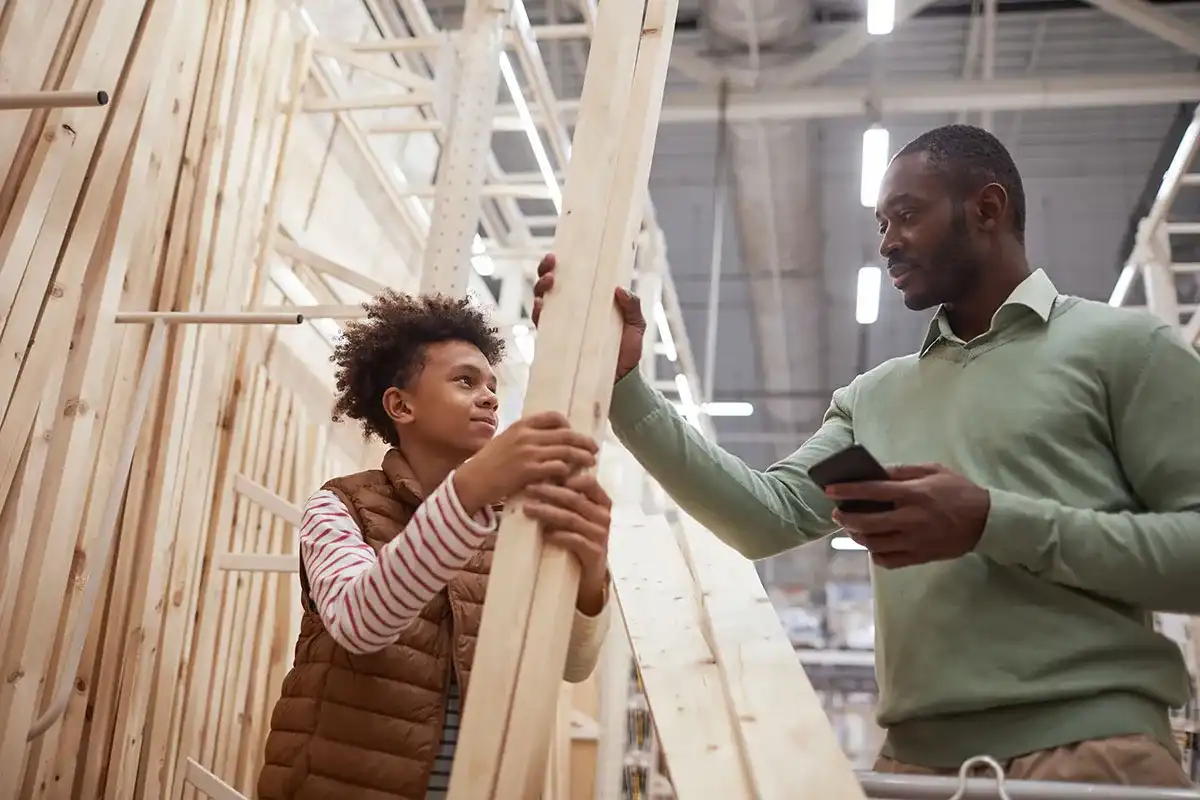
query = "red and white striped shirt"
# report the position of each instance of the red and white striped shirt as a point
(364, 601)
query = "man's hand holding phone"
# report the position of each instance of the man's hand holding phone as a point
(904, 515)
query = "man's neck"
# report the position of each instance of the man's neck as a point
(430, 467)
(973, 315)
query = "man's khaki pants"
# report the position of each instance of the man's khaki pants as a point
(1121, 761)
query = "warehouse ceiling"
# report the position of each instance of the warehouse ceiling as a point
(1083, 95)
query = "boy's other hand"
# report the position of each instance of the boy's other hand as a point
(535, 449)
(633, 322)
(576, 515)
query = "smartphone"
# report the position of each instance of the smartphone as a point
(852, 465)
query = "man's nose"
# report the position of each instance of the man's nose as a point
(888, 247)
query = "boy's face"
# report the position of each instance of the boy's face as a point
(451, 404)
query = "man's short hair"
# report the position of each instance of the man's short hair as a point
(972, 158)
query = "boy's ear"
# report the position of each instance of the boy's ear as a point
(397, 406)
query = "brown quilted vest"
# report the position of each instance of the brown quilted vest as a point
(350, 725)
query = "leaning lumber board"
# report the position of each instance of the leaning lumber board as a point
(664, 617)
(556, 585)
(606, 177)
(489, 700)
(789, 746)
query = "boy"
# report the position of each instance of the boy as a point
(394, 561)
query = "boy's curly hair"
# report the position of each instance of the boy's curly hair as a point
(388, 349)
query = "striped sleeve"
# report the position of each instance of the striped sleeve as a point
(587, 639)
(364, 601)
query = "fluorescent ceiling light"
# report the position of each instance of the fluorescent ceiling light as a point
(845, 543)
(881, 17)
(866, 305)
(531, 131)
(1124, 282)
(664, 333)
(307, 19)
(685, 391)
(727, 409)
(687, 401)
(874, 163)
(524, 341)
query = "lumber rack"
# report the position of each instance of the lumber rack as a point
(884, 786)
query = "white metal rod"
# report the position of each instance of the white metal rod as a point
(210, 318)
(151, 367)
(318, 312)
(913, 787)
(27, 100)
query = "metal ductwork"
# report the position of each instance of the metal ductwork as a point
(758, 23)
(777, 201)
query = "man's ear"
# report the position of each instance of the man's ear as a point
(398, 406)
(991, 204)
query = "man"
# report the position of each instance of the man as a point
(1045, 479)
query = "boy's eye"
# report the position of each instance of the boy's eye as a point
(465, 380)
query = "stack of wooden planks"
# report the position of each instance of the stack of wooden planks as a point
(155, 202)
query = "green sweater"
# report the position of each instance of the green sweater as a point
(1081, 421)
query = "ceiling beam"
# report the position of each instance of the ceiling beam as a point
(1153, 20)
(930, 97)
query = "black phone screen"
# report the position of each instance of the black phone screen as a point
(852, 465)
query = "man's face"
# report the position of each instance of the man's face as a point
(931, 257)
(451, 403)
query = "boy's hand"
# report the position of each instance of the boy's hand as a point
(536, 449)
(576, 515)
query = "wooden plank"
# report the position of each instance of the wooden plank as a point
(789, 746)
(664, 617)
(528, 612)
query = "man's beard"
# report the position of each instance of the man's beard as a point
(955, 261)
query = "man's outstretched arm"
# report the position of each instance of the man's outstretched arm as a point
(758, 513)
